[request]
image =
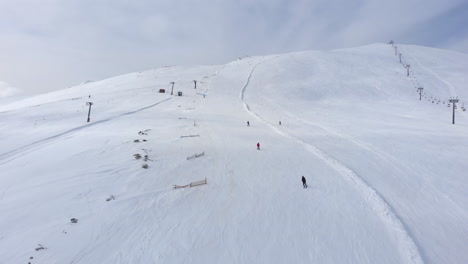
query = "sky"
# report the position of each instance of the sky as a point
(47, 45)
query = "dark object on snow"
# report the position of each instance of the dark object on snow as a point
(258, 146)
(192, 184)
(196, 155)
(280, 123)
(89, 111)
(248, 123)
(304, 182)
(41, 247)
(162, 90)
(189, 136)
(110, 198)
(144, 166)
(146, 158)
(74, 220)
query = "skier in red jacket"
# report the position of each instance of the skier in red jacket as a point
(258, 146)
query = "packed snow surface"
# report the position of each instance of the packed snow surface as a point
(386, 172)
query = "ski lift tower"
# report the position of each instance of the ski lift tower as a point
(420, 89)
(453, 100)
(172, 90)
(89, 111)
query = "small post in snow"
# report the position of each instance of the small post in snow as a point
(453, 101)
(195, 82)
(420, 89)
(89, 111)
(172, 90)
(407, 69)
(400, 57)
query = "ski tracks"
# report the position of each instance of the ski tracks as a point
(390, 159)
(408, 248)
(449, 85)
(13, 154)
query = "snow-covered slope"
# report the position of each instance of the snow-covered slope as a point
(386, 172)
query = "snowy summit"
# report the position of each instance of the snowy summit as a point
(167, 170)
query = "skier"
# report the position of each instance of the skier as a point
(258, 146)
(304, 183)
(248, 123)
(280, 122)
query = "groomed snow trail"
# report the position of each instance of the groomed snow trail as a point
(13, 154)
(449, 85)
(408, 248)
(385, 156)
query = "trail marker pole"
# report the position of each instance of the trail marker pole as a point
(407, 69)
(453, 101)
(172, 90)
(400, 57)
(420, 92)
(89, 111)
(195, 82)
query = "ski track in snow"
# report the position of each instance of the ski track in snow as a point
(449, 85)
(387, 157)
(408, 248)
(13, 154)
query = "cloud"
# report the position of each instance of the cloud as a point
(52, 44)
(7, 91)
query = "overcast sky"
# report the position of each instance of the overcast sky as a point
(47, 45)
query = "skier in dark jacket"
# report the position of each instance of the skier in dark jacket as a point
(304, 183)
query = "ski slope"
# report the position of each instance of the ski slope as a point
(386, 172)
